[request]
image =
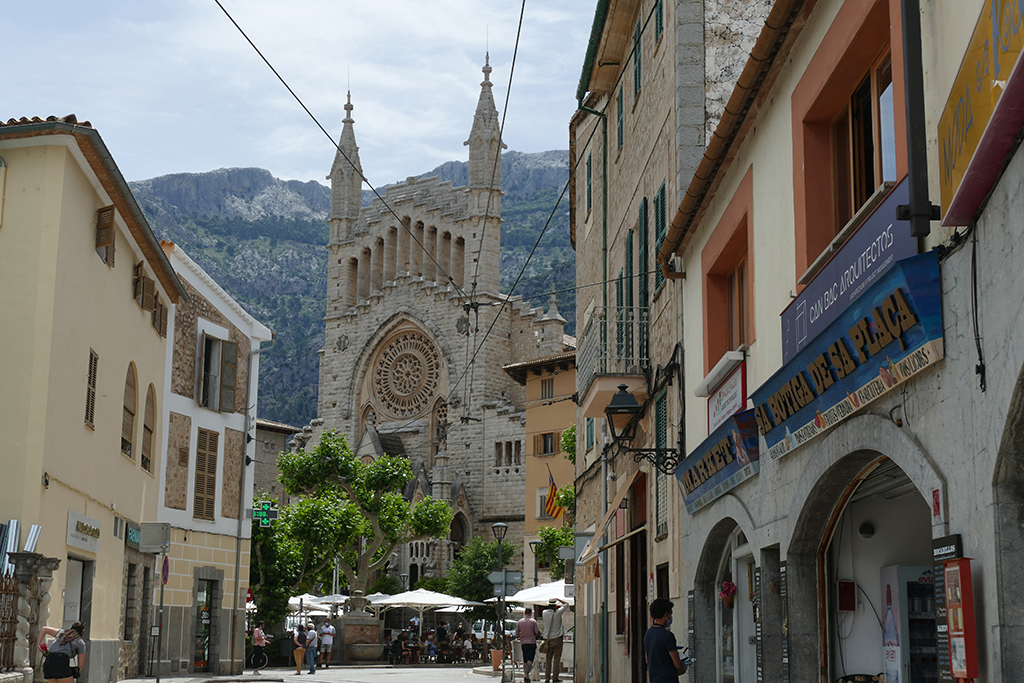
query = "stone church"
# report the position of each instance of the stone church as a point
(417, 332)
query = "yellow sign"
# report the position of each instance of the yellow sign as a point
(990, 59)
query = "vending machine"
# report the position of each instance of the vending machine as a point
(908, 625)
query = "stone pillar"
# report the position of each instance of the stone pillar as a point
(352, 283)
(35, 576)
(364, 276)
(430, 254)
(416, 267)
(459, 262)
(445, 257)
(391, 255)
(377, 272)
(404, 240)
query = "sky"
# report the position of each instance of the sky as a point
(172, 86)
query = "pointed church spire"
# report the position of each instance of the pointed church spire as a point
(485, 137)
(346, 177)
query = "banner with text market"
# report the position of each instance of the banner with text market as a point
(723, 461)
(888, 335)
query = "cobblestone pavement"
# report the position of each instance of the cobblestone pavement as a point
(341, 674)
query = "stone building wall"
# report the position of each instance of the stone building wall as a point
(731, 28)
(179, 429)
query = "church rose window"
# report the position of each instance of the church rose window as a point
(406, 374)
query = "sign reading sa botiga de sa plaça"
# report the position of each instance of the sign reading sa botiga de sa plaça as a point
(888, 335)
(983, 113)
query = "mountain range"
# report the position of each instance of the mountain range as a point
(263, 238)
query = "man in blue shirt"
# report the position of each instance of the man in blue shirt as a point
(663, 663)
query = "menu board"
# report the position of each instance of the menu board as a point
(758, 632)
(691, 634)
(785, 622)
(945, 548)
(963, 651)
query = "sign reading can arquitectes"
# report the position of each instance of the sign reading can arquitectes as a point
(891, 333)
(983, 113)
(83, 532)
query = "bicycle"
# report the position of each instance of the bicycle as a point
(259, 661)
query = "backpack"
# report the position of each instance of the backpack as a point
(301, 638)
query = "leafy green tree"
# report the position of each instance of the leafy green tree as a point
(566, 498)
(551, 538)
(438, 584)
(387, 584)
(467, 576)
(569, 444)
(350, 512)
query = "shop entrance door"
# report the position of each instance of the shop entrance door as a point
(204, 603)
(638, 617)
(736, 641)
(743, 614)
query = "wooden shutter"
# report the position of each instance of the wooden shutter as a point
(140, 273)
(108, 255)
(163, 320)
(160, 317)
(128, 415)
(148, 294)
(538, 444)
(148, 422)
(228, 368)
(90, 391)
(206, 474)
(556, 446)
(105, 226)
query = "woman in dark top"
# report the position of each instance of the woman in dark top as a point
(65, 646)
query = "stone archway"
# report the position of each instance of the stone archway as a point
(1008, 495)
(705, 600)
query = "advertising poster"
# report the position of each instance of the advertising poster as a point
(890, 334)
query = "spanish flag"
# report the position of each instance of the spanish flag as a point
(550, 506)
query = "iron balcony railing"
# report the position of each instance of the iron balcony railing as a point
(615, 341)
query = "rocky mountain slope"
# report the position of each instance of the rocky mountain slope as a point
(263, 240)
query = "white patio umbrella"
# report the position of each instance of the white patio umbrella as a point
(539, 595)
(304, 600)
(374, 600)
(421, 600)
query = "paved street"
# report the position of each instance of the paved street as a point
(347, 674)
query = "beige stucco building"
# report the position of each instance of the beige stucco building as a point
(84, 294)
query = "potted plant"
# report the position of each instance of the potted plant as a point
(727, 593)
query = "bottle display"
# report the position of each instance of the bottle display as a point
(891, 640)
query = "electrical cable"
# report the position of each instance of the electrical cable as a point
(340, 150)
(979, 369)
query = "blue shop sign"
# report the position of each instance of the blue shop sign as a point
(877, 245)
(723, 461)
(891, 333)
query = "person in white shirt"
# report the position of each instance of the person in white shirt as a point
(554, 632)
(327, 632)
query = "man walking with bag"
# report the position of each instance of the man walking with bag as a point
(554, 631)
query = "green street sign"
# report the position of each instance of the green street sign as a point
(264, 513)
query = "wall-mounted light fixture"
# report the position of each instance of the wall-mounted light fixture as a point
(624, 413)
(867, 530)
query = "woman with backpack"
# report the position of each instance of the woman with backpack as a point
(65, 646)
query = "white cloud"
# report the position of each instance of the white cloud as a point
(172, 86)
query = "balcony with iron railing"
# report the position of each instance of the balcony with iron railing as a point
(613, 349)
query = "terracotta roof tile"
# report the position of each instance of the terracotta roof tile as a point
(70, 119)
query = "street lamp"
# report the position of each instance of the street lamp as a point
(533, 548)
(499, 529)
(624, 413)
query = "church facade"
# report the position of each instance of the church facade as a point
(416, 333)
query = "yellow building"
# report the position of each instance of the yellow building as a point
(84, 295)
(550, 386)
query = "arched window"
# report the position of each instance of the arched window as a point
(128, 416)
(148, 425)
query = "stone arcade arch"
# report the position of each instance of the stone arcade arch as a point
(832, 470)
(1008, 498)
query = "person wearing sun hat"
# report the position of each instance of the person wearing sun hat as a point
(554, 632)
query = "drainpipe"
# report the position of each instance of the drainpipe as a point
(919, 211)
(241, 500)
(604, 310)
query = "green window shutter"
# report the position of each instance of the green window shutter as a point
(619, 315)
(619, 118)
(590, 433)
(659, 230)
(637, 67)
(228, 368)
(642, 261)
(661, 481)
(630, 313)
(659, 19)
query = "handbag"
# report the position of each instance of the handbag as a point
(543, 647)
